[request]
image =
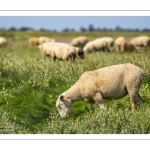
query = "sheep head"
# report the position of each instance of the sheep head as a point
(63, 105)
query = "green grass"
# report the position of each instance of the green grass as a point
(30, 86)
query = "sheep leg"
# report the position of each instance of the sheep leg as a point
(119, 48)
(108, 50)
(133, 100)
(99, 99)
(133, 91)
(54, 58)
(103, 49)
(140, 100)
(92, 104)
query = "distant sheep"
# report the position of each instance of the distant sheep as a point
(118, 42)
(44, 39)
(58, 50)
(34, 41)
(127, 47)
(130, 47)
(122, 45)
(96, 45)
(79, 41)
(89, 47)
(3, 41)
(110, 83)
(141, 41)
(109, 40)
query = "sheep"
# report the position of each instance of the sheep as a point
(130, 47)
(118, 42)
(109, 40)
(127, 46)
(102, 44)
(57, 50)
(79, 41)
(141, 41)
(96, 45)
(89, 47)
(123, 45)
(34, 41)
(44, 39)
(110, 83)
(3, 41)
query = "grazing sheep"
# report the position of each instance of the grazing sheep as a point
(3, 41)
(79, 41)
(127, 46)
(96, 45)
(118, 42)
(102, 44)
(130, 47)
(57, 50)
(123, 45)
(141, 41)
(34, 41)
(110, 83)
(109, 40)
(44, 39)
(89, 47)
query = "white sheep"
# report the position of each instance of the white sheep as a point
(109, 40)
(123, 45)
(3, 41)
(96, 45)
(89, 47)
(110, 83)
(130, 47)
(34, 41)
(118, 42)
(126, 46)
(79, 41)
(57, 50)
(44, 39)
(141, 41)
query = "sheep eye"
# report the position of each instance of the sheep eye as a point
(60, 107)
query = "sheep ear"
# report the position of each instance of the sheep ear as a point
(61, 97)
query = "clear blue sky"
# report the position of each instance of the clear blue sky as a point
(59, 23)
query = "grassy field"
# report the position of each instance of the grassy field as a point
(30, 86)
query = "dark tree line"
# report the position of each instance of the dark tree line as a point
(90, 28)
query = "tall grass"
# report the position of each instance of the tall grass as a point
(30, 86)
